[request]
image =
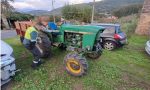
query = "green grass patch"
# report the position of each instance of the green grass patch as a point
(125, 68)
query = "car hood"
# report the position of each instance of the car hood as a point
(5, 48)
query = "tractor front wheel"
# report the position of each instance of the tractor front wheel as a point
(75, 64)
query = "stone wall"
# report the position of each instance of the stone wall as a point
(143, 27)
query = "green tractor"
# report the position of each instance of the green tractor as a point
(80, 40)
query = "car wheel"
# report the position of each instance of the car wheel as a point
(109, 45)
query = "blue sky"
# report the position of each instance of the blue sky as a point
(44, 4)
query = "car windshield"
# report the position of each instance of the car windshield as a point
(109, 29)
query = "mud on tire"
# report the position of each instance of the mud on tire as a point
(75, 64)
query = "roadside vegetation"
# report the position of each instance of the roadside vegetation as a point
(127, 10)
(128, 24)
(16, 16)
(126, 68)
(81, 13)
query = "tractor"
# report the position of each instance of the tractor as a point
(79, 40)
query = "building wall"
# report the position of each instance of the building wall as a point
(143, 27)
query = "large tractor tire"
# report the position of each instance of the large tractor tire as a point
(96, 53)
(75, 64)
(44, 45)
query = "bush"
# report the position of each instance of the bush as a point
(81, 13)
(127, 10)
(16, 16)
(57, 18)
(128, 24)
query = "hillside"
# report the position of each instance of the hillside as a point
(101, 6)
(110, 5)
(37, 12)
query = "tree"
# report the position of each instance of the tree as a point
(57, 18)
(16, 16)
(127, 10)
(6, 9)
(76, 12)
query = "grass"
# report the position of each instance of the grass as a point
(126, 68)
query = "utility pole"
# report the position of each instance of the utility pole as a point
(92, 19)
(53, 11)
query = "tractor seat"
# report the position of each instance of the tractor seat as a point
(53, 28)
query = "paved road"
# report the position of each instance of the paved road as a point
(8, 34)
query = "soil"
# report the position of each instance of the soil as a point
(131, 82)
(78, 86)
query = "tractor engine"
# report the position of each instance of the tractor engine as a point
(74, 39)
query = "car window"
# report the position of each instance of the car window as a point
(109, 30)
(119, 30)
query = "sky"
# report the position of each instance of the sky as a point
(44, 4)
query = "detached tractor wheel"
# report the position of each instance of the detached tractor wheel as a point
(96, 53)
(44, 45)
(75, 64)
(109, 45)
(43, 52)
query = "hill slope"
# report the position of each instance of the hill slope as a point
(101, 6)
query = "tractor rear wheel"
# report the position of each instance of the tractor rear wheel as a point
(75, 64)
(96, 53)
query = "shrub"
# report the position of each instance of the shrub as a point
(128, 10)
